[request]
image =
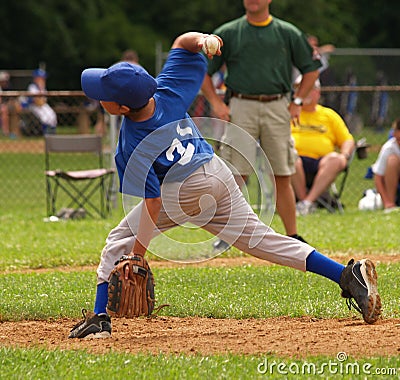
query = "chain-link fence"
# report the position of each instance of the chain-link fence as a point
(24, 120)
(22, 180)
(368, 118)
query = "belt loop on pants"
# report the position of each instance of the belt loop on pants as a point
(261, 98)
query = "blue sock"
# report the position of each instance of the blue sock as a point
(324, 266)
(100, 303)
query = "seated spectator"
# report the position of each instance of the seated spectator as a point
(324, 146)
(38, 104)
(386, 170)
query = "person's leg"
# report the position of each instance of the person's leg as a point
(309, 169)
(329, 167)
(324, 266)
(241, 137)
(45, 114)
(278, 145)
(51, 116)
(239, 146)
(392, 176)
(120, 241)
(236, 223)
(358, 281)
(181, 202)
(286, 204)
(298, 180)
(398, 194)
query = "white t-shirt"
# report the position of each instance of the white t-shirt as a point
(390, 147)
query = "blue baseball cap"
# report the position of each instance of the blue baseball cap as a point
(39, 73)
(124, 83)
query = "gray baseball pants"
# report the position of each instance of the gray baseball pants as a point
(211, 199)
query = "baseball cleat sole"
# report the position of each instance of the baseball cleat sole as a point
(368, 272)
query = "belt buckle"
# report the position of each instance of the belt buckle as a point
(264, 98)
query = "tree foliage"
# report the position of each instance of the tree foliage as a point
(71, 35)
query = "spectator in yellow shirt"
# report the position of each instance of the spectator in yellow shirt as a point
(324, 146)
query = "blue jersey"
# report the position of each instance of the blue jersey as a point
(168, 146)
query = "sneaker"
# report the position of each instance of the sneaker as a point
(92, 326)
(359, 283)
(391, 209)
(305, 208)
(220, 246)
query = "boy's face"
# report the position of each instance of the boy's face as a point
(112, 108)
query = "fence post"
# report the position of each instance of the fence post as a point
(83, 121)
(14, 118)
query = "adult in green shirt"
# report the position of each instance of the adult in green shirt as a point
(260, 52)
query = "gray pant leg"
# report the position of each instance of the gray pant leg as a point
(211, 199)
(236, 223)
(121, 239)
(119, 242)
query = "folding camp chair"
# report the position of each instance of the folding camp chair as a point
(82, 178)
(331, 199)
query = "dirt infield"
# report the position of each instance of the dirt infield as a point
(290, 337)
(22, 146)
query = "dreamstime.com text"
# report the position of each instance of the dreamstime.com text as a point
(340, 366)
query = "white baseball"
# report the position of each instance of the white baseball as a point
(211, 45)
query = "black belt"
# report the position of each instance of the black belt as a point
(260, 98)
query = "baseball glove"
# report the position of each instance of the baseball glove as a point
(131, 288)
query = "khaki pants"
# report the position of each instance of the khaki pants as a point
(269, 124)
(211, 199)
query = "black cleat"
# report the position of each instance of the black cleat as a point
(92, 326)
(359, 282)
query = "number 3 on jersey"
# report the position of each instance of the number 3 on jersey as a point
(185, 153)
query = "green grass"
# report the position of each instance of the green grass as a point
(33, 364)
(27, 242)
(355, 232)
(237, 292)
(22, 184)
(32, 243)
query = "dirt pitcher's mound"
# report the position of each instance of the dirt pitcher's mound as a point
(293, 337)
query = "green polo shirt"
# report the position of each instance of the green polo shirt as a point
(260, 59)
